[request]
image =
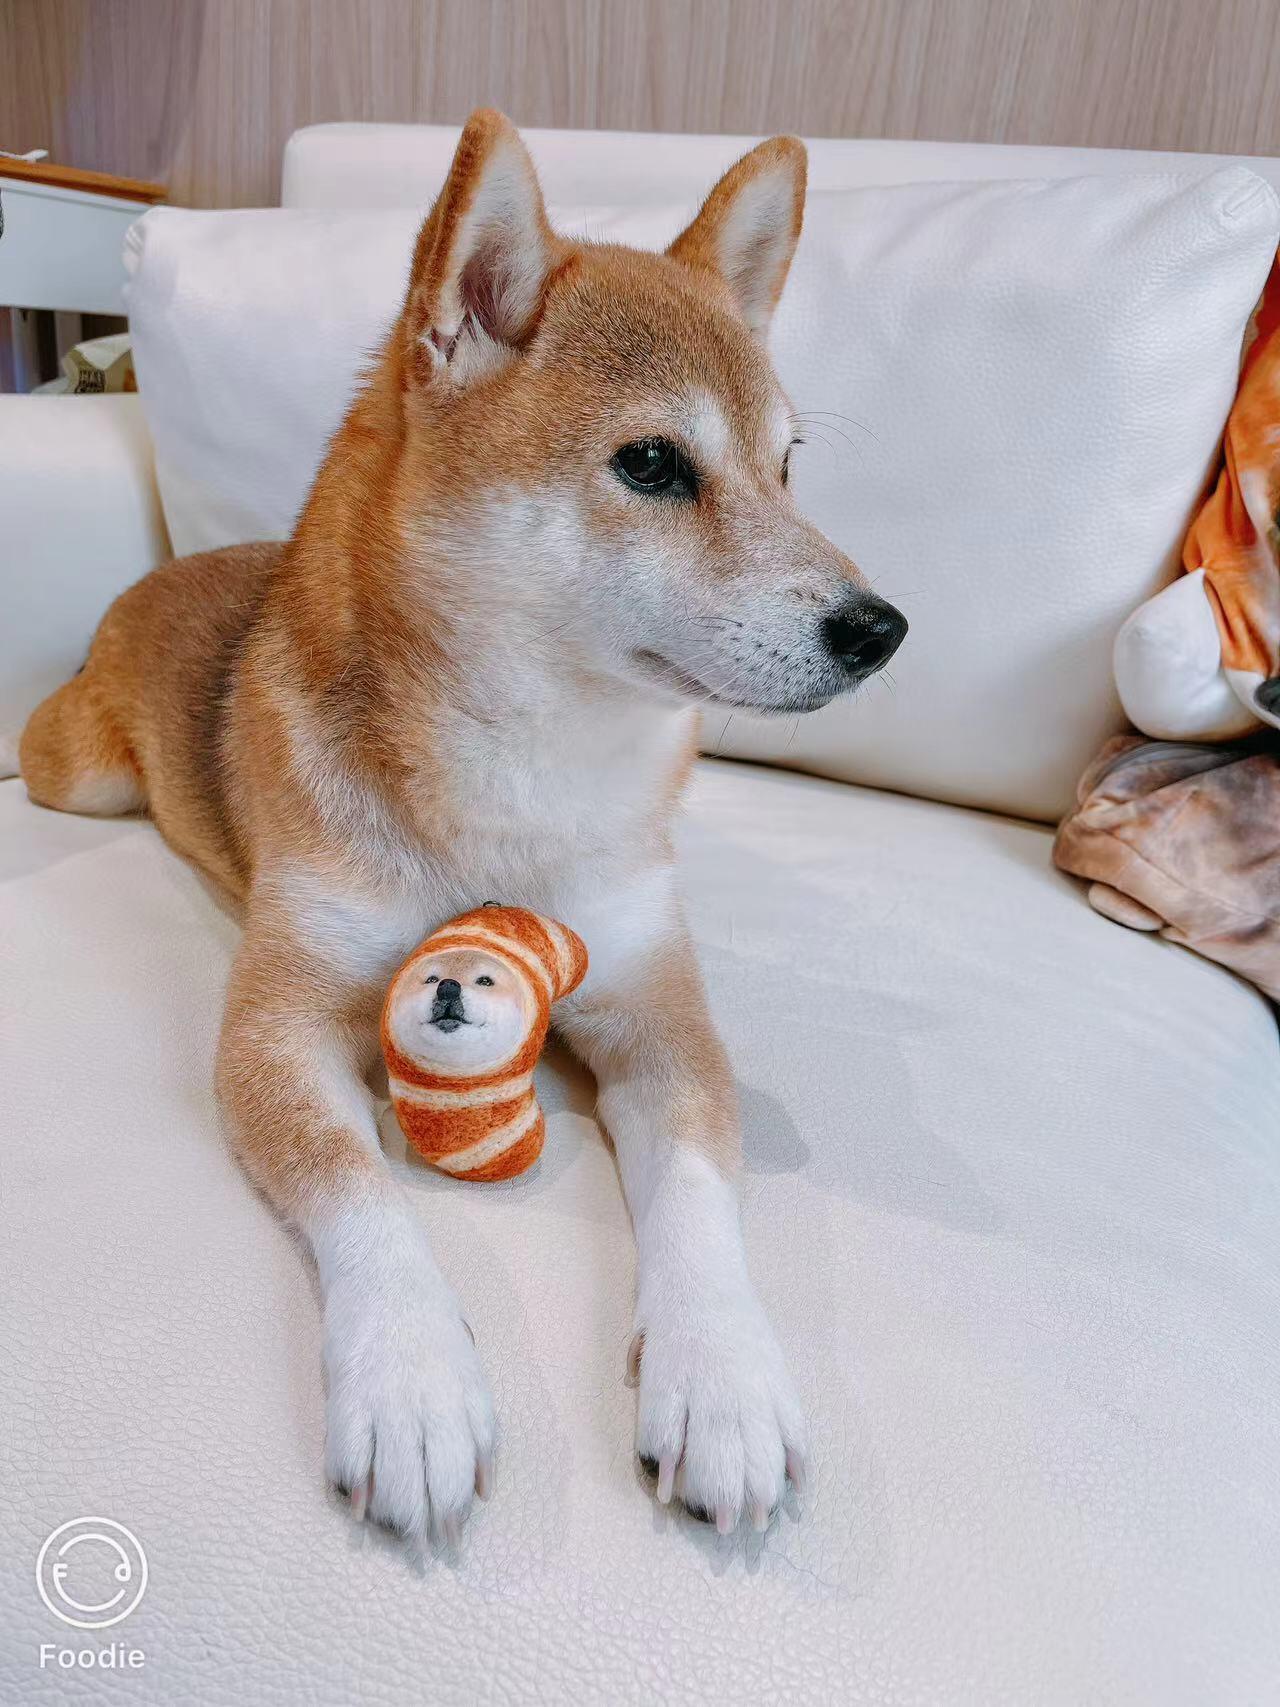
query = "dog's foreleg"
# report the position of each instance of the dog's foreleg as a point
(717, 1413)
(409, 1417)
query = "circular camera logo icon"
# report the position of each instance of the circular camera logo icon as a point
(91, 1572)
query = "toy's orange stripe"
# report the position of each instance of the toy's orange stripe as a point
(486, 1148)
(570, 956)
(513, 1161)
(468, 1094)
(399, 1066)
(437, 1134)
(516, 953)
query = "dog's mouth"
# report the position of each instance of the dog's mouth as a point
(447, 1016)
(672, 676)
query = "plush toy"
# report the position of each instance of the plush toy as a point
(1201, 660)
(1181, 834)
(463, 1024)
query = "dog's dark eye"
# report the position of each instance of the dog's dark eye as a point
(484, 978)
(655, 466)
(786, 461)
(433, 979)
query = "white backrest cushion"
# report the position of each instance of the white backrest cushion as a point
(1015, 389)
(402, 165)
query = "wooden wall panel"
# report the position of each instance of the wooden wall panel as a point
(202, 93)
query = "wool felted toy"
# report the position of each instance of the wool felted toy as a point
(463, 1024)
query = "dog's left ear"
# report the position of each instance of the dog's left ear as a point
(482, 259)
(748, 227)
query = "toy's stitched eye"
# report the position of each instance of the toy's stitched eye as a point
(434, 978)
(484, 978)
(656, 468)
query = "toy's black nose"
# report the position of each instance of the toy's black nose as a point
(863, 634)
(448, 990)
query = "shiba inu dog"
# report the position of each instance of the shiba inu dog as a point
(554, 522)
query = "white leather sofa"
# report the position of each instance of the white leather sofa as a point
(1012, 1197)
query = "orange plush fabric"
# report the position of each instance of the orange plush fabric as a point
(463, 1025)
(1183, 838)
(1234, 537)
(1200, 660)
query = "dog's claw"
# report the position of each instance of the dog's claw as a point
(634, 1353)
(361, 1494)
(759, 1517)
(666, 1478)
(484, 1478)
(796, 1470)
(725, 1522)
(453, 1532)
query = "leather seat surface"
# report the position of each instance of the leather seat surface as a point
(1012, 1196)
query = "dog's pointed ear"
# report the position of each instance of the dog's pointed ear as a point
(482, 259)
(748, 227)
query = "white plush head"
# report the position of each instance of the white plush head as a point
(461, 1011)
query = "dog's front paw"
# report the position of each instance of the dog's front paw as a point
(718, 1417)
(410, 1420)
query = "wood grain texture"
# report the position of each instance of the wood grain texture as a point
(76, 178)
(201, 94)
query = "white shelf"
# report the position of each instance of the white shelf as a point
(63, 249)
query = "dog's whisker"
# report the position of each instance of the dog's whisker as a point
(836, 415)
(735, 681)
(560, 628)
(817, 438)
(852, 443)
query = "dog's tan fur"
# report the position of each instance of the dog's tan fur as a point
(319, 725)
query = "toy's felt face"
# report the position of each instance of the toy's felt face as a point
(462, 1010)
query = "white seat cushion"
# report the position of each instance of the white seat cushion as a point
(1012, 1196)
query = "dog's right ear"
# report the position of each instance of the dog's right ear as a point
(482, 260)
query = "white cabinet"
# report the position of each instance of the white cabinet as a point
(63, 248)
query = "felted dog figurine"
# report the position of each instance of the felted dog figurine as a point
(463, 1025)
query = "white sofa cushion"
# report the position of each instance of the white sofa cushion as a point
(1026, 382)
(79, 522)
(1012, 1196)
(402, 165)
(1040, 369)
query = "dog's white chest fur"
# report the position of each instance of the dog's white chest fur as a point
(564, 782)
(556, 807)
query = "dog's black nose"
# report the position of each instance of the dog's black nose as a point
(448, 990)
(864, 634)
